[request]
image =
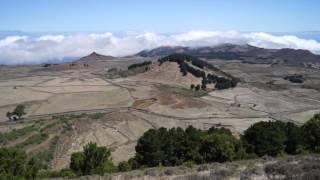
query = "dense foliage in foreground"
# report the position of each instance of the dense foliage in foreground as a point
(171, 147)
(177, 146)
(15, 165)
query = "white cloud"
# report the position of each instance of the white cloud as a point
(58, 38)
(11, 40)
(26, 49)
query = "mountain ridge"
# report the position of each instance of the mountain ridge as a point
(245, 53)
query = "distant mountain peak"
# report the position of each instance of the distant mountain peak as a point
(95, 53)
(94, 56)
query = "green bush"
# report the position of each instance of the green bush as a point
(66, 173)
(93, 160)
(218, 148)
(14, 165)
(143, 64)
(311, 133)
(18, 111)
(177, 146)
(266, 138)
(109, 168)
(124, 166)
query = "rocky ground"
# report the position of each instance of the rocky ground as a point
(297, 168)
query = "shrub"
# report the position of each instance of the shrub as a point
(124, 166)
(311, 133)
(266, 138)
(294, 139)
(19, 111)
(192, 86)
(14, 165)
(133, 163)
(177, 146)
(218, 147)
(148, 148)
(93, 160)
(197, 88)
(109, 168)
(66, 172)
(295, 78)
(225, 83)
(145, 63)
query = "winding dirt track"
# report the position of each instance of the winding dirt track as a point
(275, 116)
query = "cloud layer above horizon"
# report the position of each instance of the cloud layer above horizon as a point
(40, 49)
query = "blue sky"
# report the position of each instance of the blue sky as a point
(39, 31)
(159, 16)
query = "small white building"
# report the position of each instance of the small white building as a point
(13, 117)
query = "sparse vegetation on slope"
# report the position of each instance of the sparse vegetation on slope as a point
(15, 134)
(44, 157)
(35, 139)
(132, 70)
(183, 60)
(116, 73)
(185, 68)
(181, 91)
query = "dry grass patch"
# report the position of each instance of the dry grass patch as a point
(181, 91)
